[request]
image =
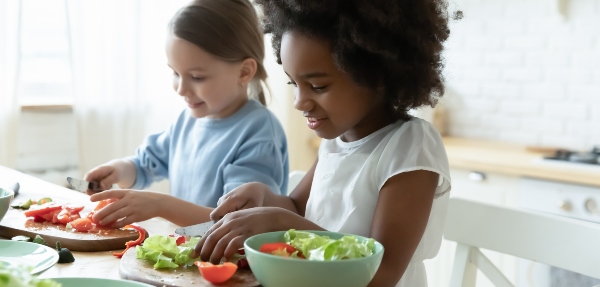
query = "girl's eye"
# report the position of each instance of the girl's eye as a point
(175, 74)
(319, 89)
(292, 83)
(198, 79)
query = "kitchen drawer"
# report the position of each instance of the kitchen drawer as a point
(486, 187)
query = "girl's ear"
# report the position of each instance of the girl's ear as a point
(247, 71)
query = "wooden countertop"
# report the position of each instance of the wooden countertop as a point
(512, 159)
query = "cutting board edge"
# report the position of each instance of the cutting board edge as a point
(85, 245)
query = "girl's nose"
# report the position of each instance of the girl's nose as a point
(302, 102)
(181, 88)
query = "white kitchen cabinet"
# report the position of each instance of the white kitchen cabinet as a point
(493, 188)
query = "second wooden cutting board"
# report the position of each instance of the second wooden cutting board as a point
(132, 268)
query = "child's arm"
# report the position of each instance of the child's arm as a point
(256, 194)
(399, 221)
(134, 206)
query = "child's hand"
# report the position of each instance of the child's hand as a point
(117, 171)
(245, 196)
(228, 235)
(131, 206)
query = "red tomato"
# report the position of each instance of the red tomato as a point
(82, 224)
(179, 239)
(103, 203)
(277, 246)
(72, 208)
(42, 209)
(65, 216)
(50, 216)
(216, 274)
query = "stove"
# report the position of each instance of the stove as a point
(592, 157)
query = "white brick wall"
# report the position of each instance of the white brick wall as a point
(521, 71)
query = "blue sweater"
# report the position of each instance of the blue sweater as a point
(207, 158)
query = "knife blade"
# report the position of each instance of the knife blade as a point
(84, 186)
(196, 229)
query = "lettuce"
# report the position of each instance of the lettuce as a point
(164, 252)
(323, 248)
(19, 276)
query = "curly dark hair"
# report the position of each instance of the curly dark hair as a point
(392, 46)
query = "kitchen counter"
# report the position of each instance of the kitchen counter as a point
(513, 159)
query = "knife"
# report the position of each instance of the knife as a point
(84, 186)
(196, 229)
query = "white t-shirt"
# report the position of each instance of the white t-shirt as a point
(349, 176)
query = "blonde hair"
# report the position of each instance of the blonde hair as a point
(227, 29)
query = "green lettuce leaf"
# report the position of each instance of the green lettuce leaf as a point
(164, 252)
(323, 248)
(19, 276)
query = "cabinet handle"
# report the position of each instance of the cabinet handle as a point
(476, 176)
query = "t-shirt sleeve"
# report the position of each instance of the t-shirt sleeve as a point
(152, 160)
(260, 161)
(416, 145)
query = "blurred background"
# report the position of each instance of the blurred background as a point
(83, 82)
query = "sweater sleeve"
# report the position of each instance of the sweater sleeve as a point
(260, 161)
(152, 160)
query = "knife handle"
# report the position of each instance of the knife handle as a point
(95, 186)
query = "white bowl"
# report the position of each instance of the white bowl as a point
(6, 197)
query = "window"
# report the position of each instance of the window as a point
(45, 70)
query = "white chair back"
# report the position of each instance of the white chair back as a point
(295, 178)
(554, 240)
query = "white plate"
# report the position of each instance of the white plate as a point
(39, 257)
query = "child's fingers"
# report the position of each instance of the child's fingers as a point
(108, 181)
(200, 246)
(112, 213)
(111, 193)
(218, 213)
(97, 173)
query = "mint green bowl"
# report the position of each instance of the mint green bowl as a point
(6, 196)
(276, 271)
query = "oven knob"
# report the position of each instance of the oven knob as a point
(591, 206)
(565, 205)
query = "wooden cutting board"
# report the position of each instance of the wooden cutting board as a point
(132, 268)
(15, 223)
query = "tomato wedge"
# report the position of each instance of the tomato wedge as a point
(103, 203)
(277, 247)
(82, 224)
(65, 216)
(42, 209)
(179, 239)
(216, 274)
(72, 208)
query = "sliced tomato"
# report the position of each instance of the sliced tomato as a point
(65, 216)
(73, 208)
(82, 224)
(103, 203)
(277, 247)
(216, 274)
(179, 239)
(49, 216)
(37, 218)
(42, 209)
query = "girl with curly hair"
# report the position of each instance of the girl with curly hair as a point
(224, 138)
(357, 67)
